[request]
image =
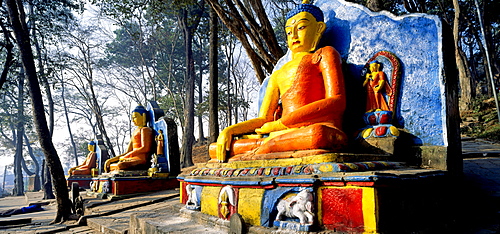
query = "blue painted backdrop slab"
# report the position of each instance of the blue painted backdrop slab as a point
(357, 33)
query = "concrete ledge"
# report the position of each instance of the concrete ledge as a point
(175, 219)
(205, 219)
(108, 226)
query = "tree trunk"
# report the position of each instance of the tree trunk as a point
(236, 95)
(213, 78)
(18, 160)
(228, 83)
(21, 32)
(472, 64)
(96, 108)
(465, 82)
(481, 46)
(36, 185)
(25, 167)
(9, 58)
(187, 136)
(3, 183)
(46, 182)
(43, 78)
(201, 134)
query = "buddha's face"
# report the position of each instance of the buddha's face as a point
(91, 147)
(138, 119)
(303, 32)
(374, 67)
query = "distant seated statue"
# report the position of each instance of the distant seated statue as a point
(376, 85)
(311, 91)
(139, 149)
(88, 164)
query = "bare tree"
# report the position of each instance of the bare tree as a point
(83, 71)
(188, 27)
(21, 32)
(68, 124)
(9, 58)
(213, 109)
(249, 22)
(36, 171)
(18, 158)
(465, 81)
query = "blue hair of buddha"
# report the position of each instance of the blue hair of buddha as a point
(92, 142)
(140, 109)
(310, 8)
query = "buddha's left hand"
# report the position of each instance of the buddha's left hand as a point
(224, 143)
(272, 126)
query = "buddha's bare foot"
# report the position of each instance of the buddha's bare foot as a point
(244, 156)
(130, 164)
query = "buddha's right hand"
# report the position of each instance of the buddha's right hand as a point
(223, 144)
(108, 162)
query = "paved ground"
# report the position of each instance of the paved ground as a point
(39, 220)
(478, 196)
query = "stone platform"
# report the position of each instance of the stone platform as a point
(82, 180)
(130, 183)
(368, 196)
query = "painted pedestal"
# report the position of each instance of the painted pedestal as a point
(355, 197)
(130, 183)
(82, 180)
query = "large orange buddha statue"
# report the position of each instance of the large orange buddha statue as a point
(309, 90)
(139, 149)
(87, 165)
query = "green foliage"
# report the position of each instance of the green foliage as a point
(482, 120)
(492, 133)
(129, 46)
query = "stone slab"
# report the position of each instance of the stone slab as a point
(169, 219)
(100, 207)
(472, 147)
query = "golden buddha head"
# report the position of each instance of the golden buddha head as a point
(304, 27)
(139, 116)
(375, 66)
(91, 146)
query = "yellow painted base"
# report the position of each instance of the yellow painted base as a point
(209, 201)
(250, 205)
(319, 158)
(370, 212)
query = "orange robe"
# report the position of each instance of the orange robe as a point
(138, 158)
(314, 104)
(87, 165)
(376, 100)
